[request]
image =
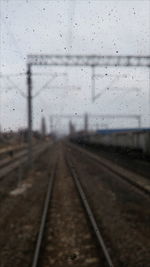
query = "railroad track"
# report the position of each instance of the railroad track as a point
(9, 164)
(43, 219)
(139, 182)
(10, 159)
(10, 148)
(87, 213)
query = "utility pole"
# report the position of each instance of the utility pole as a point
(93, 82)
(43, 127)
(29, 100)
(86, 122)
(139, 121)
(51, 124)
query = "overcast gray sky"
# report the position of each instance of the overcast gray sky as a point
(74, 27)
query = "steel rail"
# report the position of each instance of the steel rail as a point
(111, 169)
(90, 213)
(8, 160)
(17, 152)
(8, 149)
(15, 164)
(43, 219)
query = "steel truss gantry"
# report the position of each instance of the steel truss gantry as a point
(72, 61)
(89, 60)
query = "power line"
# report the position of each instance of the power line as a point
(16, 87)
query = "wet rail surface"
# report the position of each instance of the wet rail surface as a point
(68, 233)
(121, 209)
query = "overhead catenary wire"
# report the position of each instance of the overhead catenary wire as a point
(16, 87)
(14, 41)
(116, 77)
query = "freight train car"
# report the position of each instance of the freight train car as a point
(135, 139)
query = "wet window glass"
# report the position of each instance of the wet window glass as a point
(74, 133)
